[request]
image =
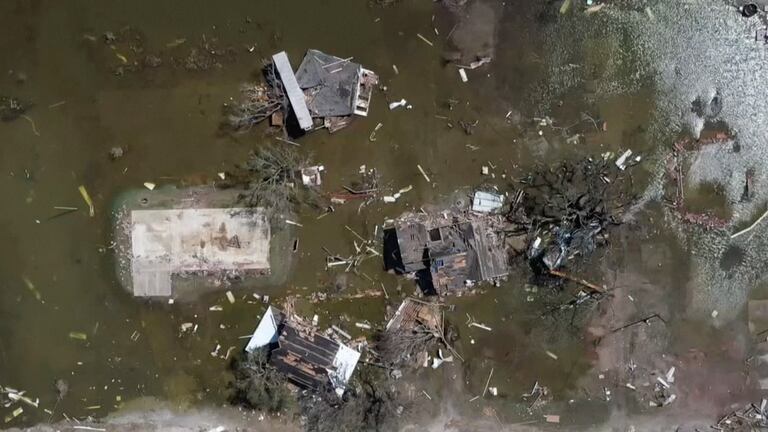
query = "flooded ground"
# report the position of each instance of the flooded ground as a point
(576, 68)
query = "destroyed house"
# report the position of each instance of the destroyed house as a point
(306, 358)
(335, 88)
(445, 257)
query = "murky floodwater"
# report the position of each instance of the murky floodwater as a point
(167, 121)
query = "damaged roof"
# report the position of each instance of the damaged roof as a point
(454, 253)
(306, 357)
(329, 83)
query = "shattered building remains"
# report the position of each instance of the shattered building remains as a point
(446, 255)
(306, 358)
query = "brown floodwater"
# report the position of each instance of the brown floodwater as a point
(167, 121)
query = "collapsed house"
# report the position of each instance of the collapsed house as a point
(326, 91)
(208, 241)
(414, 330)
(446, 254)
(306, 358)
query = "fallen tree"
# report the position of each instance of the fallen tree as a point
(258, 385)
(272, 180)
(371, 403)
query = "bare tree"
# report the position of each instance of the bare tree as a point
(273, 181)
(257, 101)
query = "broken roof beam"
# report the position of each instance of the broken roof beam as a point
(295, 94)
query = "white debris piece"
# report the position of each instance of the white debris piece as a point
(398, 104)
(149, 185)
(463, 75)
(436, 362)
(480, 326)
(222, 175)
(363, 325)
(671, 375)
(310, 176)
(621, 162)
(486, 202)
(493, 391)
(215, 352)
(230, 297)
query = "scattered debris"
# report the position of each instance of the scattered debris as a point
(87, 199)
(427, 41)
(78, 335)
(424, 174)
(751, 417)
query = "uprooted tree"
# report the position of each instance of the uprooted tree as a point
(371, 403)
(272, 177)
(258, 385)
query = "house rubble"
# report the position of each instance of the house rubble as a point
(446, 252)
(306, 358)
(334, 89)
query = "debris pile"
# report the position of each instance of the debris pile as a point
(563, 212)
(10, 397)
(751, 417)
(416, 329)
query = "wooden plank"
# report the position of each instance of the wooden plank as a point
(295, 94)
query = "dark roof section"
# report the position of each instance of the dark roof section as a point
(329, 83)
(304, 357)
(412, 239)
